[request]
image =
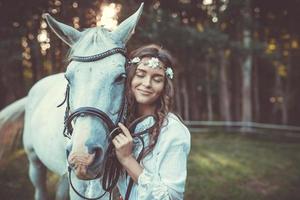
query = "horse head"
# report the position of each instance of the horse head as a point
(96, 83)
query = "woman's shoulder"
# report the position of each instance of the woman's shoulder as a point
(174, 120)
(174, 130)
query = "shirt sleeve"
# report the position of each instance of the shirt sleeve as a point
(168, 180)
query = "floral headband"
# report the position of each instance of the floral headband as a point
(153, 63)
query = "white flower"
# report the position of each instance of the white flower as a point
(135, 60)
(153, 62)
(169, 72)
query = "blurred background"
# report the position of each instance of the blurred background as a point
(237, 61)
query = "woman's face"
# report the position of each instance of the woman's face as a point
(148, 83)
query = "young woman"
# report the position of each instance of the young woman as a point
(162, 172)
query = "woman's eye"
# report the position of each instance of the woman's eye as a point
(158, 80)
(121, 78)
(140, 75)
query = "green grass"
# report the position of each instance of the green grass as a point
(14, 178)
(235, 166)
(221, 166)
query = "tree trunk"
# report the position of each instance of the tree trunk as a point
(224, 97)
(178, 103)
(256, 93)
(284, 109)
(185, 99)
(247, 66)
(36, 60)
(282, 95)
(277, 93)
(209, 101)
(194, 99)
(236, 89)
(286, 103)
(246, 88)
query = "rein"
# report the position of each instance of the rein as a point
(112, 167)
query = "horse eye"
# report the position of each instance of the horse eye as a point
(121, 78)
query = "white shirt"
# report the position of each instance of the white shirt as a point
(165, 169)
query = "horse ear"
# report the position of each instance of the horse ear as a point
(125, 30)
(67, 34)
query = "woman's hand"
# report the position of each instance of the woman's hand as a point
(123, 144)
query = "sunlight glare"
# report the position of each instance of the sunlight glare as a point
(109, 18)
(207, 2)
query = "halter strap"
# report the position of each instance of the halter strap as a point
(90, 111)
(100, 55)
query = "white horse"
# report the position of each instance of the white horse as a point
(97, 84)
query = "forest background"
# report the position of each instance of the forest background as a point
(237, 60)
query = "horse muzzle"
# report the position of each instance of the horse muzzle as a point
(85, 166)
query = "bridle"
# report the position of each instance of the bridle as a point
(68, 129)
(112, 167)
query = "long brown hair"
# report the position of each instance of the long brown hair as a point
(164, 103)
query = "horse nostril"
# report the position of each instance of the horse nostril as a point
(97, 158)
(97, 151)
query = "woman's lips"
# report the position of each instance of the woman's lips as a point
(144, 92)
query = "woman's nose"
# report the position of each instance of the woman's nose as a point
(147, 82)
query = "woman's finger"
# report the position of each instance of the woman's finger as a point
(119, 139)
(125, 130)
(123, 137)
(116, 143)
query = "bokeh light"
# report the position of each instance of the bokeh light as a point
(108, 18)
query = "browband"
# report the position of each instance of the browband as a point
(99, 56)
